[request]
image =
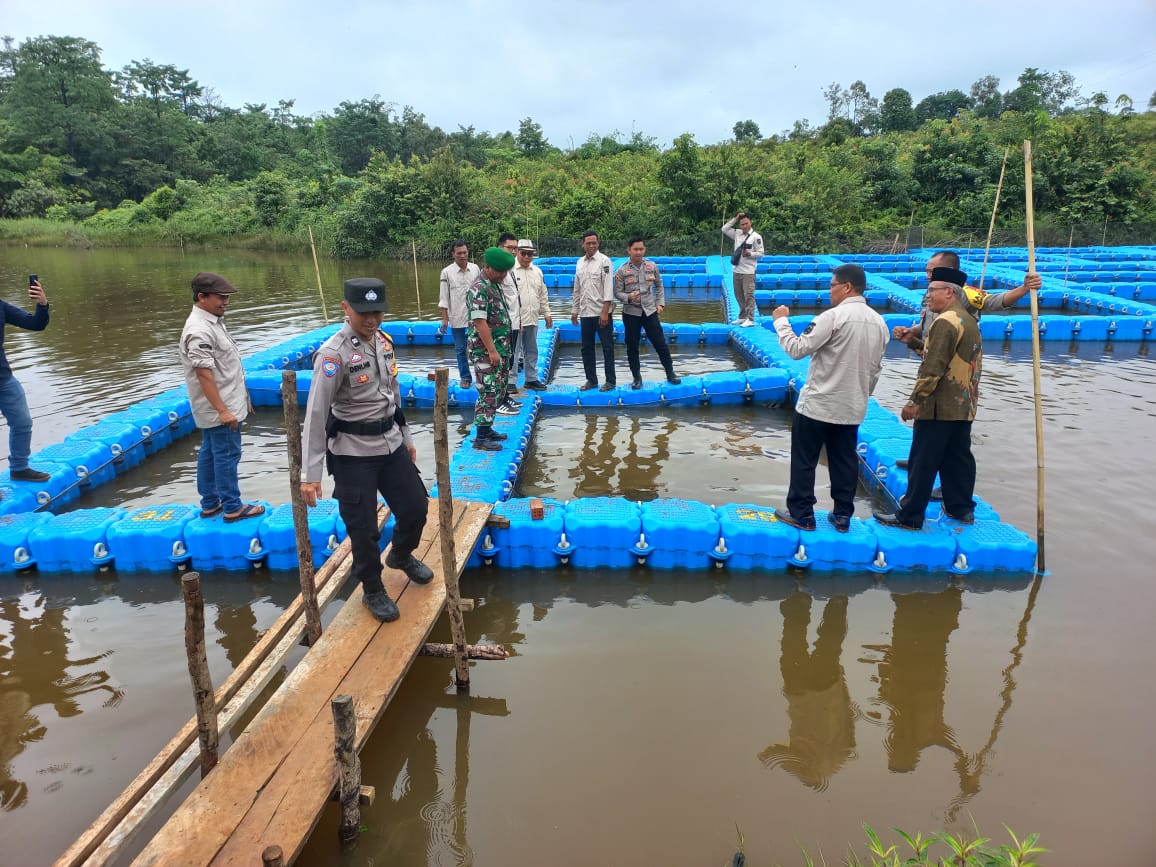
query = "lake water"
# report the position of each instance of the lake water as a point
(643, 716)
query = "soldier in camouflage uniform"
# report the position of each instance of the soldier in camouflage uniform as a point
(488, 344)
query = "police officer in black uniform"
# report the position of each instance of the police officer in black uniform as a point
(354, 421)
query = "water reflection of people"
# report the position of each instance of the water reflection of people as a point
(604, 457)
(913, 675)
(34, 667)
(822, 730)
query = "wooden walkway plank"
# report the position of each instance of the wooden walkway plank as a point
(265, 758)
(140, 800)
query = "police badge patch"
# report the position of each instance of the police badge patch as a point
(329, 366)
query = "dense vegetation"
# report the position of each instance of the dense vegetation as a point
(147, 155)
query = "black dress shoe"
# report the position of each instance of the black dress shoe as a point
(536, 386)
(637, 384)
(892, 520)
(840, 522)
(674, 380)
(487, 444)
(967, 517)
(789, 519)
(28, 475)
(381, 606)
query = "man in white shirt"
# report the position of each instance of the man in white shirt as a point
(846, 345)
(535, 303)
(455, 282)
(590, 306)
(748, 251)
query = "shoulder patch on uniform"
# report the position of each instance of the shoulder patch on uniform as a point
(605, 269)
(809, 328)
(330, 365)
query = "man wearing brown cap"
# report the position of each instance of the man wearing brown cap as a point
(219, 398)
(354, 422)
(943, 405)
(489, 344)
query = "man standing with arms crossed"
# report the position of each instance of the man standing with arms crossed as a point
(638, 285)
(748, 251)
(456, 280)
(220, 401)
(354, 423)
(943, 405)
(535, 303)
(846, 345)
(591, 304)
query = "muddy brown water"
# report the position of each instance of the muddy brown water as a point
(644, 715)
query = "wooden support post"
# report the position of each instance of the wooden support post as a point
(473, 651)
(446, 520)
(272, 856)
(1031, 227)
(203, 696)
(300, 513)
(348, 767)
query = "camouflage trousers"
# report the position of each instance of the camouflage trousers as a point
(490, 381)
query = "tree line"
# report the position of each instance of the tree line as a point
(147, 154)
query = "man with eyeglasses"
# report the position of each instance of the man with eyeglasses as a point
(508, 405)
(534, 302)
(943, 404)
(590, 305)
(846, 343)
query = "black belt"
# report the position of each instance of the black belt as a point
(373, 427)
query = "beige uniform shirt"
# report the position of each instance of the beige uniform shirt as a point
(206, 343)
(358, 383)
(532, 295)
(455, 283)
(593, 285)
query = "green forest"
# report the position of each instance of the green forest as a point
(147, 155)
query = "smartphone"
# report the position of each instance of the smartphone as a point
(33, 278)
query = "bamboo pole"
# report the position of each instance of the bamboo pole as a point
(1035, 360)
(300, 512)
(473, 651)
(1068, 258)
(348, 767)
(317, 269)
(441, 379)
(416, 281)
(199, 671)
(995, 208)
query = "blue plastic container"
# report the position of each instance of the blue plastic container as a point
(679, 534)
(152, 538)
(123, 440)
(214, 544)
(768, 383)
(62, 485)
(989, 546)
(279, 538)
(931, 549)
(15, 499)
(75, 541)
(92, 461)
(601, 531)
(752, 538)
(687, 392)
(728, 387)
(829, 549)
(15, 550)
(527, 543)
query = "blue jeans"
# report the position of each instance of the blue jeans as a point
(14, 406)
(463, 357)
(217, 464)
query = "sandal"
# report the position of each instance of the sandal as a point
(249, 510)
(209, 513)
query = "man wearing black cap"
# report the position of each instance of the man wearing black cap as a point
(219, 398)
(943, 405)
(354, 419)
(488, 342)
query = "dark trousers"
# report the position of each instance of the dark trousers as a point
(512, 373)
(590, 327)
(942, 447)
(807, 439)
(357, 481)
(632, 327)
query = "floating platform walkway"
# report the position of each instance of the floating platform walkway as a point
(1089, 294)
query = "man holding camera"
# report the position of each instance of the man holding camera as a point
(748, 251)
(13, 403)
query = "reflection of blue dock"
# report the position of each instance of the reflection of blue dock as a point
(1096, 294)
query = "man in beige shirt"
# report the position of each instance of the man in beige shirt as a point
(535, 303)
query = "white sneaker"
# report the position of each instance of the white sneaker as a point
(506, 409)
(746, 323)
(738, 321)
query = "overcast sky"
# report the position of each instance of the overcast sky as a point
(662, 68)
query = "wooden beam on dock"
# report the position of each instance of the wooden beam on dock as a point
(271, 786)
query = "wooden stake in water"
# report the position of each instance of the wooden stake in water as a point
(317, 269)
(203, 696)
(416, 281)
(348, 767)
(441, 379)
(300, 512)
(1035, 360)
(1068, 258)
(994, 210)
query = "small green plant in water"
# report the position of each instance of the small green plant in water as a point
(962, 850)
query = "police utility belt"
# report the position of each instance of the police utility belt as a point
(374, 427)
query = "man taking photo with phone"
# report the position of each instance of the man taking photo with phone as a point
(13, 403)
